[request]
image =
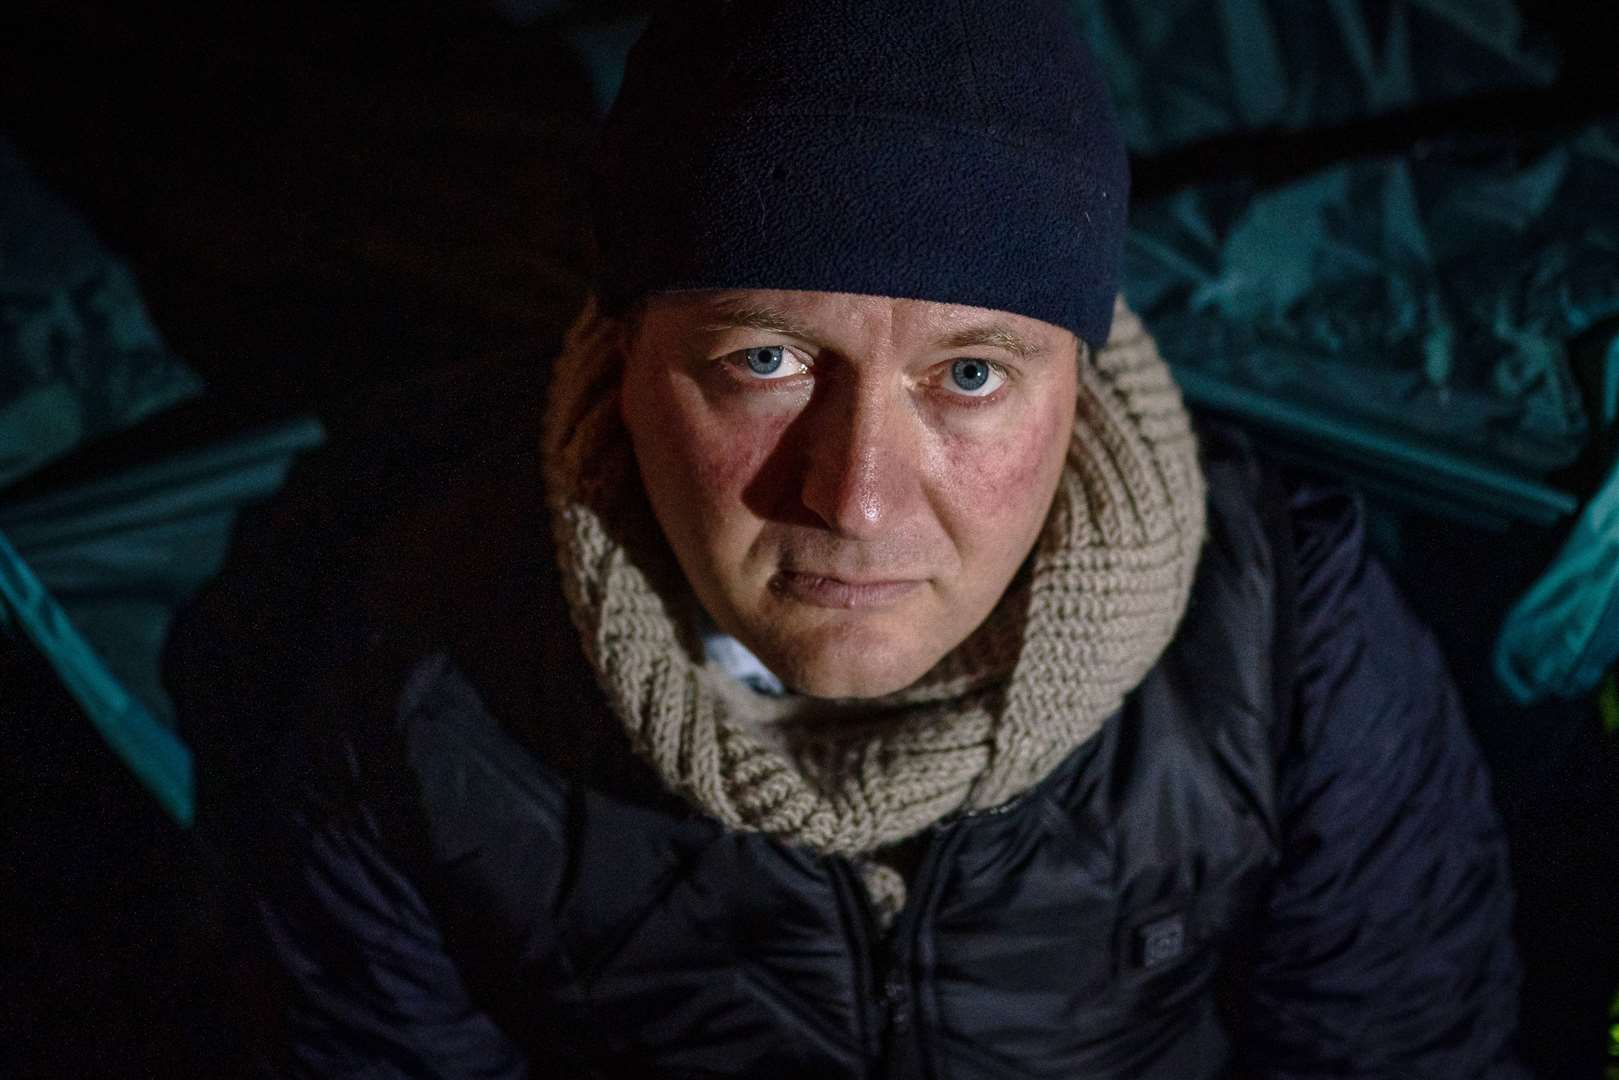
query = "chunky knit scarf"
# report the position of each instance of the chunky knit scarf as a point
(1078, 628)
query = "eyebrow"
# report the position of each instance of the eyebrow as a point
(996, 337)
(770, 320)
(758, 318)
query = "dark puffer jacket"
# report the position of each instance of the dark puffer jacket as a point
(1279, 859)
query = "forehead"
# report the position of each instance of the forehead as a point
(848, 319)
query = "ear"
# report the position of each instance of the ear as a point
(584, 380)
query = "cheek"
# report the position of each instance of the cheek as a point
(727, 453)
(707, 455)
(997, 479)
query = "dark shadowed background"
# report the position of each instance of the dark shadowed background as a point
(320, 253)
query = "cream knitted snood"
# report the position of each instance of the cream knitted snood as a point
(1076, 630)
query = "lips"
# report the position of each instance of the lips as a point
(820, 590)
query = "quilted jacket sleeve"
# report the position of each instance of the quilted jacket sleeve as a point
(372, 992)
(1386, 949)
(368, 987)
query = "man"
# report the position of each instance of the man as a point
(909, 690)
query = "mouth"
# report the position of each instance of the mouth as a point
(819, 590)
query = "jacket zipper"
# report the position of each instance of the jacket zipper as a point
(890, 1005)
(861, 922)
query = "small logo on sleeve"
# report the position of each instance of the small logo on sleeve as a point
(1160, 941)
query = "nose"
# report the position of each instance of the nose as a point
(860, 471)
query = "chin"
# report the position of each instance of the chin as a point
(853, 685)
(858, 665)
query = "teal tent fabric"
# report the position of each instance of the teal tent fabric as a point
(1427, 304)
(1610, 385)
(1182, 71)
(1187, 70)
(1563, 635)
(152, 751)
(91, 576)
(600, 32)
(603, 47)
(78, 355)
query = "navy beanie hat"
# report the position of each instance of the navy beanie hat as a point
(962, 151)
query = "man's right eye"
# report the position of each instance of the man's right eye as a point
(770, 362)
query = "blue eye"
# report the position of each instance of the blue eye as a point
(765, 360)
(975, 378)
(769, 362)
(970, 375)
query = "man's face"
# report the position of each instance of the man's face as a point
(849, 482)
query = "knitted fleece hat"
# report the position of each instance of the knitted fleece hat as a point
(964, 152)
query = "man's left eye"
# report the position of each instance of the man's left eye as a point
(771, 362)
(974, 378)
